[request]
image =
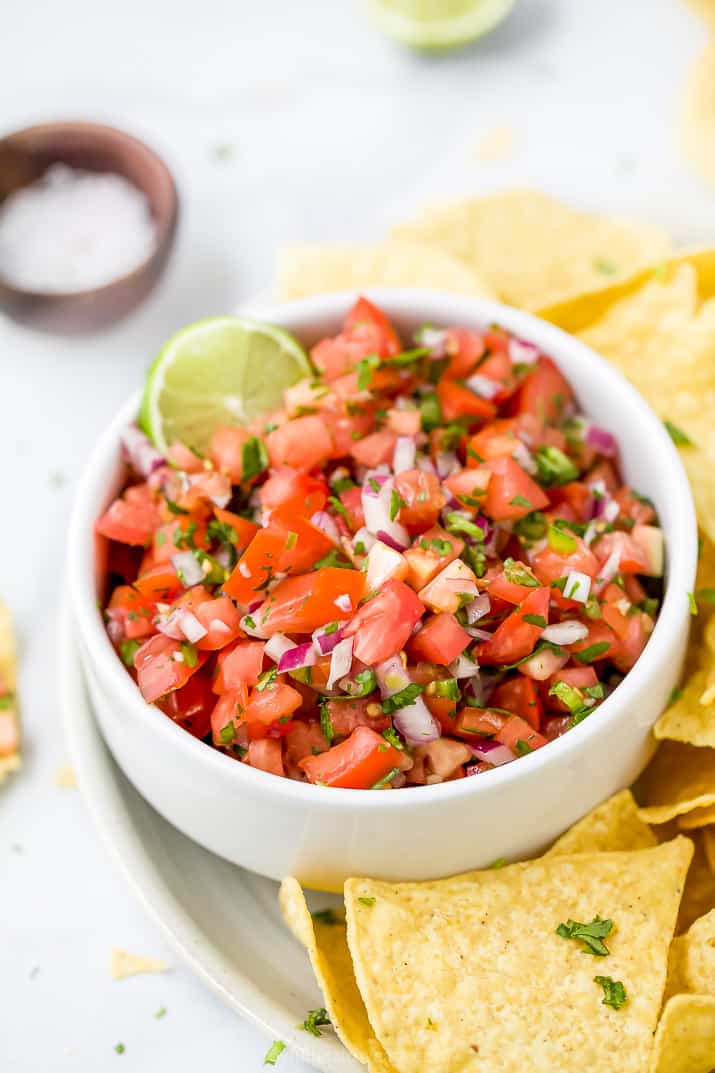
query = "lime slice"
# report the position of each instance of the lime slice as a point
(438, 23)
(218, 371)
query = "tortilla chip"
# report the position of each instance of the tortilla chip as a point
(614, 825)
(698, 956)
(533, 250)
(65, 778)
(497, 143)
(469, 973)
(314, 269)
(676, 983)
(699, 817)
(124, 964)
(699, 894)
(9, 718)
(688, 719)
(697, 117)
(708, 835)
(330, 958)
(679, 779)
(685, 1040)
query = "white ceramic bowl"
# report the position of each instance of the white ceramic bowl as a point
(276, 826)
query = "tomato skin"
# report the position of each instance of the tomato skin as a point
(259, 562)
(423, 498)
(226, 450)
(465, 347)
(478, 722)
(128, 523)
(541, 391)
(520, 696)
(229, 708)
(404, 422)
(514, 639)
(345, 715)
(458, 401)
(383, 625)
(578, 677)
(367, 323)
(356, 763)
(630, 646)
(632, 557)
(301, 604)
(304, 543)
(245, 529)
(351, 499)
(241, 664)
(510, 482)
(132, 612)
(548, 565)
(598, 633)
(222, 621)
(159, 582)
(517, 730)
(494, 440)
(276, 701)
(440, 640)
(509, 591)
(158, 670)
(266, 755)
(424, 563)
(470, 487)
(303, 443)
(293, 491)
(190, 705)
(374, 449)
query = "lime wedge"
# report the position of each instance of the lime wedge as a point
(438, 23)
(218, 371)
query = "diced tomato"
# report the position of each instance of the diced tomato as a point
(191, 705)
(129, 523)
(465, 347)
(600, 635)
(162, 666)
(548, 565)
(422, 498)
(520, 696)
(369, 324)
(430, 553)
(132, 612)
(241, 664)
(222, 622)
(440, 640)
(184, 458)
(515, 638)
(304, 542)
(577, 496)
(303, 739)
(160, 583)
(384, 623)
(448, 590)
(404, 422)
(205, 489)
(511, 493)
(635, 506)
(227, 715)
(632, 559)
(345, 715)
(294, 491)
(266, 755)
(444, 710)
(457, 401)
(302, 443)
(545, 392)
(356, 763)
(443, 757)
(178, 535)
(275, 702)
(494, 440)
(351, 499)
(519, 736)
(470, 487)
(302, 604)
(478, 722)
(510, 591)
(347, 429)
(227, 445)
(630, 646)
(374, 449)
(256, 567)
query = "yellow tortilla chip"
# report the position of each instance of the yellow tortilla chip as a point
(497, 143)
(468, 973)
(533, 250)
(708, 835)
(9, 719)
(697, 956)
(679, 779)
(699, 817)
(688, 719)
(314, 269)
(614, 825)
(685, 1039)
(124, 964)
(330, 958)
(699, 894)
(697, 117)
(65, 778)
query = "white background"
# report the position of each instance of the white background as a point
(330, 131)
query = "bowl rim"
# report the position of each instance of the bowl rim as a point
(296, 316)
(104, 133)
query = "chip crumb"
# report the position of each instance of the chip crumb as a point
(124, 964)
(496, 144)
(65, 777)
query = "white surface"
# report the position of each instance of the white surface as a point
(334, 132)
(323, 836)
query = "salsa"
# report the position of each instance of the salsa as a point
(424, 566)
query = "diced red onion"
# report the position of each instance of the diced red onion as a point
(140, 452)
(322, 520)
(340, 661)
(493, 752)
(543, 664)
(388, 539)
(602, 441)
(224, 557)
(218, 626)
(480, 635)
(391, 676)
(378, 478)
(416, 723)
(577, 586)
(610, 511)
(294, 659)
(403, 457)
(522, 352)
(434, 339)
(447, 463)
(188, 568)
(343, 603)
(277, 646)
(463, 667)
(483, 386)
(254, 630)
(478, 608)
(426, 465)
(324, 643)
(383, 562)
(193, 630)
(522, 455)
(608, 570)
(254, 605)
(565, 633)
(364, 537)
(244, 569)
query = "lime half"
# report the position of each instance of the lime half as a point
(218, 371)
(438, 23)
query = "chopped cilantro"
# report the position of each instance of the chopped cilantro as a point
(532, 527)
(534, 620)
(315, 1021)
(500, 862)
(337, 506)
(127, 651)
(386, 779)
(326, 724)
(679, 438)
(161, 1012)
(430, 412)
(369, 902)
(569, 696)
(675, 695)
(592, 651)
(476, 559)
(341, 484)
(333, 558)
(222, 532)
(390, 735)
(250, 621)
(227, 734)
(174, 507)
(361, 684)
(365, 369)
(274, 1052)
(396, 504)
(614, 993)
(591, 935)
(521, 501)
(518, 573)
(403, 699)
(119, 1048)
(266, 680)
(190, 654)
(522, 747)
(447, 687)
(553, 467)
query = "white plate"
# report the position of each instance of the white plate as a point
(222, 920)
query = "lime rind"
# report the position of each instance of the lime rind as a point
(221, 370)
(426, 24)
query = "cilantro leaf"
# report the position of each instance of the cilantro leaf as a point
(591, 935)
(403, 699)
(315, 1020)
(254, 459)
(679, 438)
(614, 993)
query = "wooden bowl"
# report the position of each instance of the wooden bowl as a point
(25, 156)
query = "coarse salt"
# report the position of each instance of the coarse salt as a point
(74, 230)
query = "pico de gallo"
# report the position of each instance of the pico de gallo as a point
(424, 566)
